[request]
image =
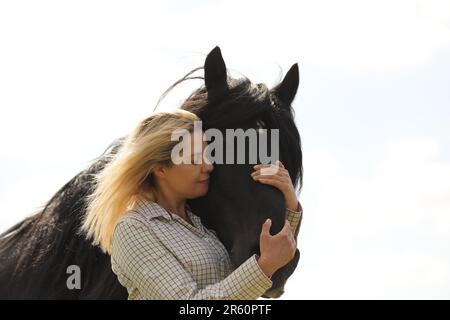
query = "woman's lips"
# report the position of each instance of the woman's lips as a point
(204, 181)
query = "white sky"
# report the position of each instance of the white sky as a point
(372, 109)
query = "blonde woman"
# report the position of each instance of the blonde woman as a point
(159, 248)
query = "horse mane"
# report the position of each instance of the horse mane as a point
(244, 105)
(35, 252)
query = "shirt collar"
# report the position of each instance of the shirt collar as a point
(153, 210)
(194, 218)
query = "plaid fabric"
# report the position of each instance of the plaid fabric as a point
(158, 255)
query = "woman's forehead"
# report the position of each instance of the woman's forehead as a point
(200, 148)
(197, 140)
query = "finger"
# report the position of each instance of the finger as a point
(282, 179)
(265, 165)
(270, 182)
(277, 163)
(266, 227)
(266, 176)
(279, 172)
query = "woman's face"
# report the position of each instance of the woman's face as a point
(189, 181)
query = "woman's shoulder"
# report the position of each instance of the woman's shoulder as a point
(133, 228)
(131, 218)
(143, 212)
(130, 226)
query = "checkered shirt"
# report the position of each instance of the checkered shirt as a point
(158, 255)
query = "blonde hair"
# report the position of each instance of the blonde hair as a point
(128, 177)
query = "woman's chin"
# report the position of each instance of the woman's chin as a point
(201, 192)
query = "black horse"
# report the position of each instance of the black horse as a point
(36, 252)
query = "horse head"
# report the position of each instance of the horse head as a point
(236, 206)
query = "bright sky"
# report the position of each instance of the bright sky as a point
(372, 109)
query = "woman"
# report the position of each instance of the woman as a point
(159, 248)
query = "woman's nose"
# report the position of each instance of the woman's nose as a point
(207, 166)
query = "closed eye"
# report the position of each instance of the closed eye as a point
(197, 158)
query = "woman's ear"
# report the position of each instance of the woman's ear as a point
(159, 172)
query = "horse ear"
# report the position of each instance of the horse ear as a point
(215, 73)
(287, 89)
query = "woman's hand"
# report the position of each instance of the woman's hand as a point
(278, 177)
(276, 251)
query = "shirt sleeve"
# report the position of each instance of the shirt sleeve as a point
(295, 219)
(153, 270)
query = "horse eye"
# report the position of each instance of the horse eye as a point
(260, 124)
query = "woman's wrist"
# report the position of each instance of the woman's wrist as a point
(292, 204)
(265, 267)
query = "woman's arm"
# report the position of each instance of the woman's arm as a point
(157, 274)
